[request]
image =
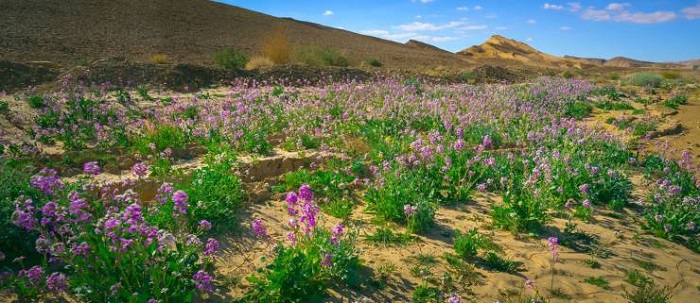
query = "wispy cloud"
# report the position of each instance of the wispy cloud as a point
(619, 12)
(617, 6)
(595, 15)
(646, 18)
(553, 6)
(374, 32)
(692, 12)
(443, 39)
(477, 7)
(328, 13)
(531, 21)
(422, 1)
(427, 26)
(574, 6)
(462, 8)
(565, 28)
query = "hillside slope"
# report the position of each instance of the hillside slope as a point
(187, 31)
(501, 48)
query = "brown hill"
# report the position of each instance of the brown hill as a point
(501, 48)
(633, 63)
(188, 31)
(425, 46)
(627, 62)
(599, 61)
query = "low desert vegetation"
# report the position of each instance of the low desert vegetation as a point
(160, 59)
(646, 79)
(277, 47)
(299, 183)
(258, 62)
(230, 58)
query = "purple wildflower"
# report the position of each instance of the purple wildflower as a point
(481, 187)
(487, 141)
(586, 203)
(454, 298)
(202, 281)
(46, 181)
(211, 247)
(57, 282)
(33, 274)
(305, 192)
(553, 245)
(584, 188)
(91, 168)
(180, 200)
(528, 284)
(139, 169)
(259, 228)
(81, 249)
(336, 233)
(326, 260)
(204, 225)
(459, 145)
(409, 210)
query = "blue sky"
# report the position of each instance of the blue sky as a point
(653, 30)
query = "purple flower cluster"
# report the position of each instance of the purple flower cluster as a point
(202, 281)
(259, 228)
(181, 202)
(553, 246)
(47, 181)
(91, 168)
(139, 169)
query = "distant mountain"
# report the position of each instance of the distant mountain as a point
(502, 48)
(599, 61)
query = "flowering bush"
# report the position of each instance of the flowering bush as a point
(313, 259)
(108, 245)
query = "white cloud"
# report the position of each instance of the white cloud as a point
(423, 1)
(462, 8)
(595, 15)
(443, 39)
(692, 12)
(374, 32)
(565, 28)
(617, 6)
(426, 26)
(574, 6)
(646, 18)
(528, 39)
(328, 13)
(491, 16)
(531, 21)
(619, 12)
(553, 6)
(473, 27)
(477, 7)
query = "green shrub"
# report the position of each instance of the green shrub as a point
(333, 57)
(646, 79)
(467, 245)
(578, 110)
(230, 58)
(567, 75)
(36, 101)
(675, 101)
(4, 106)
(374, 63)
(426, 294)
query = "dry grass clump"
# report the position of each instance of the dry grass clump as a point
(259, 62)
(159, 58)
(276, 47)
